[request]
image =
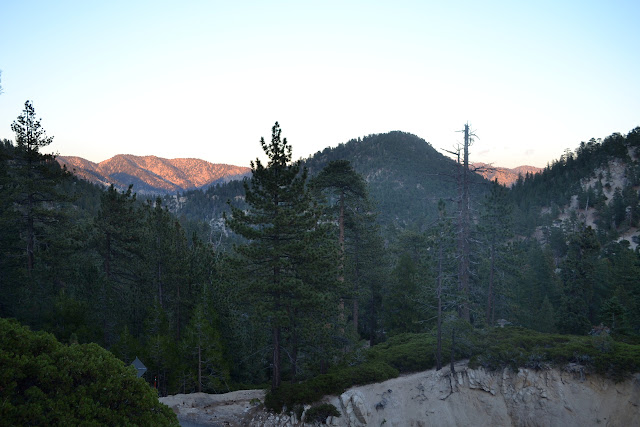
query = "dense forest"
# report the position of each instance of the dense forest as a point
(321, 258)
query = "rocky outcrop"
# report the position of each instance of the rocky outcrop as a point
(229, 409)
(505, 176)
(476, 397)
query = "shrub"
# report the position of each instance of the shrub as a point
(320, 413)
(335, 382)
(492, 348)
(44, 382)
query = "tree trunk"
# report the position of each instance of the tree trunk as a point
(107, 256)
(160, 284)
(356, 284)
(294, 356)
(199, 369)
(490, 291)
(439, 295)
(465, 220)
(453, 347)
(341, 227)
(341, 246)
(275, 380)
(355, 314)
(178, 315)
(372, 321)
(30, 234)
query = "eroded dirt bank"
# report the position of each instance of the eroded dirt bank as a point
(552, 397)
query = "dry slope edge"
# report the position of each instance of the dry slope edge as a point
(475, 397)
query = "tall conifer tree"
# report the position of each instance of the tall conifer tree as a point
(285, 249)
(578, 277)
(36, 176)
(495, 229)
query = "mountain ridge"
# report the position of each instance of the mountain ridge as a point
(152, 174)
(158, 175)
(505, 176)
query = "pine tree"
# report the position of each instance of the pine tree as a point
(578, 277)
(538, 281)
(35, 176)
(495, 229)
(403, 302)
(347, 194)
(10, 247)
(204, 351)
(117, 240)
(446, 295)
(360, 267)
(164, 253)
(367, 272)
(160, 349)
(285, 248)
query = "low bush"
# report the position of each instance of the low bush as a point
(492, 348)
(336, 381)
(43, 382)
(320, 413)
(519, 347)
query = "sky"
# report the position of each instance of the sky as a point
(207, 79)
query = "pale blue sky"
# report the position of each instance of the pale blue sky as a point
(207, 79)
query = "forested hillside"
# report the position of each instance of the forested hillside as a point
(597, 183)
(405, 175)
(312, 277)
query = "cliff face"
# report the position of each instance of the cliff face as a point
(505, 176)
(469, 397)
(480, 398)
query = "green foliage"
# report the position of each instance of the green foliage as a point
(336, 381)
(409, 352)
(403, 310)
(130, 275)
(518, 347)
(47, 383)
(496, 256)
(33, 192)
(579, 278)
(345, 195)
(288, 261)
(320, 413)
(204, 351)
(492, 348)
(560, 180)
(406, 176)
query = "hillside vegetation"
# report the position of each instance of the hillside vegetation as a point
(602, 175)
(491, 349)
(48, 383)
(406, 178)
(307, 264)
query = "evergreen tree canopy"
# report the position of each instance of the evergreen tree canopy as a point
(47, 383)
(287, 258)
(36, 177)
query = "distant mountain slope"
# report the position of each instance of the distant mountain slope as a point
(406, 176)
(597, 184)
(505, 176)
(151, 174)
